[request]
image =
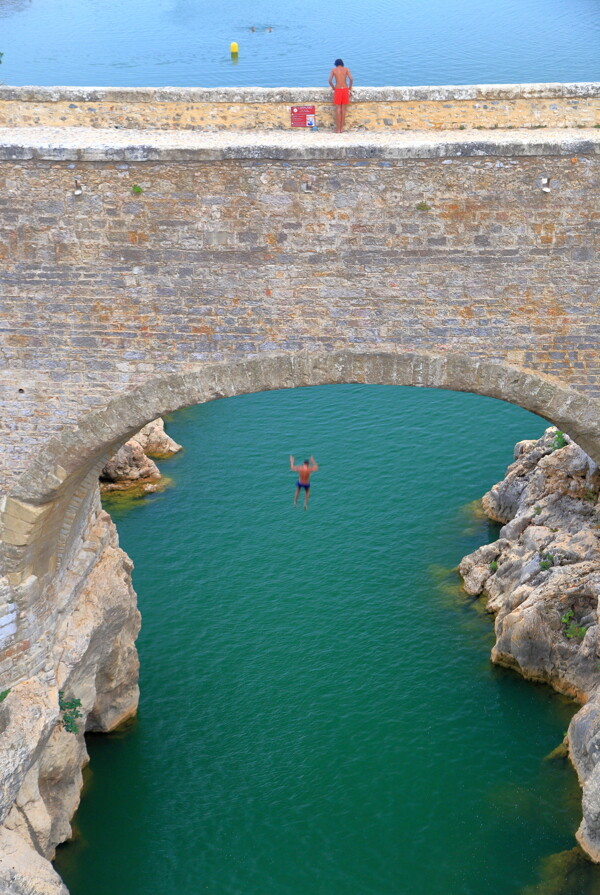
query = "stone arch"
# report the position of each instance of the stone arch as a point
(46, 511)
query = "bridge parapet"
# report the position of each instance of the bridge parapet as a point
(494, 106)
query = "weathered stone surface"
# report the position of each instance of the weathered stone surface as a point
(541, 579)
(206, 263)
(100, 144)
(23, 871)
(129, 465)
(389, 108)
(27, 718)
(155, 442)
(131, 468)
(92, 658)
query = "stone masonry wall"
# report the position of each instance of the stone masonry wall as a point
(381, 108)
(231, 258)
(143, 270)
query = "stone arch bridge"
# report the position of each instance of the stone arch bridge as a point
(165, 247)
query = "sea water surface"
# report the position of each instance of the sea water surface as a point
(318, 712)
(186, 42)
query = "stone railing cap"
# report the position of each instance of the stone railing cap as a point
(105, 144)
(469, 92)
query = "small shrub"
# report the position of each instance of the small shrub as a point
(559, 441)
(570, 629)
(4, 693)
(537, 510)
(493, 566)
(136, 189)
(589, 495)
(423, 206)
(69, 709)
(546, 561)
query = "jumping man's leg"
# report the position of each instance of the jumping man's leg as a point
(306, 496)
(296, 495)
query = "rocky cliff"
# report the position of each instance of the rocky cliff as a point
(131, 467)
(541, 580)
(94, 660)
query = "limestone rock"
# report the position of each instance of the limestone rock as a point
(154, 441)
(23, 871)
(28, 716)
(544, 589)
(129, 465)
(93, 659)
(478, 567)
(49, 794)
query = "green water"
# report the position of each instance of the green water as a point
(318, 712)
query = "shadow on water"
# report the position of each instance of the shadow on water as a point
(566, 873)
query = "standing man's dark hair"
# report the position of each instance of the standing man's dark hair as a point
(340, 80)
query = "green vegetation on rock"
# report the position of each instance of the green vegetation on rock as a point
(560, 441)
(546, 561)
(570, 629)
(69, 709)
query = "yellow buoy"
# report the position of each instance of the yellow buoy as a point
(233, 47)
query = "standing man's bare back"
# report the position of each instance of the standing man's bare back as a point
(340, 80)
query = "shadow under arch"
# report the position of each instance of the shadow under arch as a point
(46, 511)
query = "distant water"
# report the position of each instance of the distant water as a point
(186, 42)
(319, 715)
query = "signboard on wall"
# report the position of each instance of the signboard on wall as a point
(302, 116)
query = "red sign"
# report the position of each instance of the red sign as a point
(303, 116)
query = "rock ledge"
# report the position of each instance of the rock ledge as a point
(541, 580)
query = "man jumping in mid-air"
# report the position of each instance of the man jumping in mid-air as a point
(303, 482)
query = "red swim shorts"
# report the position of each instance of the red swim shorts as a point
(341, 96)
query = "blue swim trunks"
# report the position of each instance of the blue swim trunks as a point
(301, 485)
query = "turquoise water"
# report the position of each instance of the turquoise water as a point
(318, 714)
(186, 42)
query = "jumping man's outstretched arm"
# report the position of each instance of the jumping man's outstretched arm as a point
(313, 464)
(292, 467)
